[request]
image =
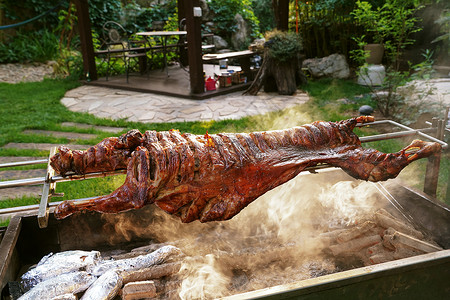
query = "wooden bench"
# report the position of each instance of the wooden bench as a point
(243, 57)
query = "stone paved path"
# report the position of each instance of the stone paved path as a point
(151, 108)
(42, 146)
(87, 126)
(14, 73)
(68, 135)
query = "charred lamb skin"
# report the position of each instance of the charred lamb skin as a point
(213, 177)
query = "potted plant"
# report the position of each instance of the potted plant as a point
(279, 70)
(374, 21)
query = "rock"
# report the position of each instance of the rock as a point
(334, 66)
(207, 15)
(366, 110)
(240, 36)
(220, 43)
(372, 75)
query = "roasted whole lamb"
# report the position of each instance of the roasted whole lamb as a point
(213, 177)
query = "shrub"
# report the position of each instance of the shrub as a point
(282, 45)
(39, 46)
(264, 12)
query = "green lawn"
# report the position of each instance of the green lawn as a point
(37, 106)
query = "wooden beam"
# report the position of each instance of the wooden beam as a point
(194, 39)
(87, 46)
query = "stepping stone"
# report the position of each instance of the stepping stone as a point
(59, 134)
(8, 159)
(17, 192)
(87, 126)
(43, 146)
(21, 174)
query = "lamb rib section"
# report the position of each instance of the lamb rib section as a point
(213, 177)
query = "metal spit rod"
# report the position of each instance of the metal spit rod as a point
(57, 178)
(24, 163)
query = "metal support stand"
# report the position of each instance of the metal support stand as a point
(47, 191)
(432, 171)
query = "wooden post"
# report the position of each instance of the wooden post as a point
(87, 47)
(194, 39)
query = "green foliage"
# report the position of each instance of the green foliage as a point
(424, 70)
(40, 46)
(401, 23)
(101, 11)
(359, 55)
(264, 12)
(224, 13)
(444, 22)
(137, 18)
(402, 100)
(283, 46)
(374, 20)
(22, 10)
(391, 24)
(326, 26)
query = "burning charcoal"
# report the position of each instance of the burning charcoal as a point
(127, 255)
(55, 264)
(375, 249)
(320, 268)
(355, 245)
(239, 280)
(385, 220)
(75, 282)
(151, 272)
(387, 237)
(381, 257)
(351, 260)
(14, 289)
(401, 238)
(405, 251)
(168, 287)
(143, 261)
(105, 287)
(152, 247)
(138, 290)
(66, 297)
(354, 232)
(330, 237)
(243, 258)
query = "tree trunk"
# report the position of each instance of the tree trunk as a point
(277, 76)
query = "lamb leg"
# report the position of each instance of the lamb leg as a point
(373, 165)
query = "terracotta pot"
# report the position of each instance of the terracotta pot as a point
(376, 52)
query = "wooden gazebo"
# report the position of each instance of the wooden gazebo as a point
(194, 38)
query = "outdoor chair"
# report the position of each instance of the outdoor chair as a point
(119, 45)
